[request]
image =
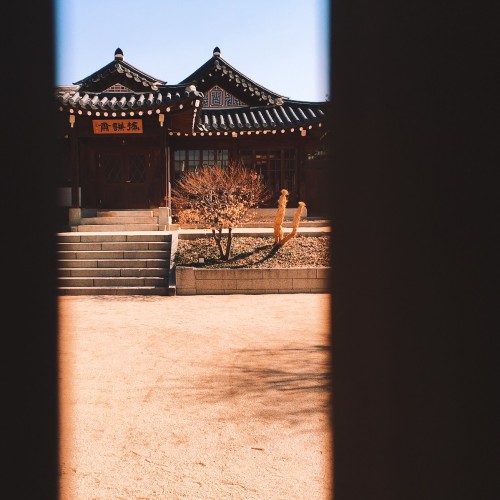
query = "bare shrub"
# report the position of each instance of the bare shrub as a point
(219, 198)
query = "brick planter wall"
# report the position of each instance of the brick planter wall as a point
(194, 281)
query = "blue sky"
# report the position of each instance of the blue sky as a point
(280, 44)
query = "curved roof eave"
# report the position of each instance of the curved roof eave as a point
(120, 66)
(77, 98)
(217, 63)
(297, 115)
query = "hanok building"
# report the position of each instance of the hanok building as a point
(126, 136)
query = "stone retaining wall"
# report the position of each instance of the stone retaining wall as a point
(194, 281)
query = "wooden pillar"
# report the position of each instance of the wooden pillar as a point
(74, 165)
(165, 155)
(300, 161)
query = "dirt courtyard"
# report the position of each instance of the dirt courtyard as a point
(195, 397)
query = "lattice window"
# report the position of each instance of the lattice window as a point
(194, 159)
(180, 160)
(118, 87)
(269, 164)
(217, 97)
(208, 158)
(279, 168)
(289, 163)
(223, 157)
(191, 159)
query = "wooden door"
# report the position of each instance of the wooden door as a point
(125, 177)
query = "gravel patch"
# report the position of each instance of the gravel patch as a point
(256, 252)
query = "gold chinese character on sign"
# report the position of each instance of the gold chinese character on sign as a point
(117, 126)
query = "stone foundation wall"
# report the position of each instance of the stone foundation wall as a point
(194, 281)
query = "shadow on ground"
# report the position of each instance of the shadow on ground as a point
(281, 384)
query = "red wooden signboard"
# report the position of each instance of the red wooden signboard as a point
(117, 126)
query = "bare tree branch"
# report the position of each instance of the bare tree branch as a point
(219, 198)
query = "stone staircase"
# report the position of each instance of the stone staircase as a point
(131, 252)
(116, 263)
(93, 220)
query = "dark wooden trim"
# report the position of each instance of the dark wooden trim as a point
(74, 168)
(165, 161)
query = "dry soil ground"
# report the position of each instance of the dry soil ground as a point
(197, 397)
(248, 251)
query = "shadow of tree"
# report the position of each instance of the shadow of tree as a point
(272, 252)
(285, 384)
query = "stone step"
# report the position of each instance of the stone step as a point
(111, 254)
(124, 213)
(125, 263)
(121, 220)
(116, 227)
(116, 263)
(110, 272)
(113, 237)
(104, 281)
(117, 290)
(114, 245)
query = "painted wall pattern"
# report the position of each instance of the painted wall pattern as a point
(217, 97)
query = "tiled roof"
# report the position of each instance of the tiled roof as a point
(136, 79)
(75, 98)
(217, 71)
(119, 88)
(290, 115)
